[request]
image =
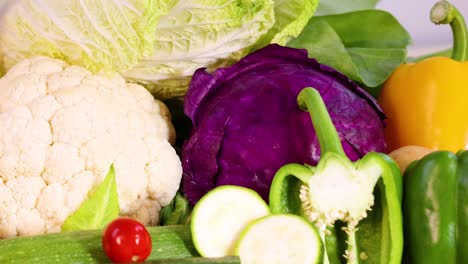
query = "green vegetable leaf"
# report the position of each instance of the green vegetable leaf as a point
(366, 52)
(200, 33)
(177, 212)
(291, 16)
(101, 208)
(99, 35)
(329, 7)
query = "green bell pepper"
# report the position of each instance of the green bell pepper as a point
(435, 209)
(355, 206)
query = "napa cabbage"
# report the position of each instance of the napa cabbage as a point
(157, 43)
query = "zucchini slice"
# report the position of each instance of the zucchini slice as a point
(221, 215)
(280, 238)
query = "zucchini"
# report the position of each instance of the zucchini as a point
(220, 216)
(197, 260)
(169, 242)
(280, 238)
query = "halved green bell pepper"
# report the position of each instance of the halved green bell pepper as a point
(356, 206)
(435, 208)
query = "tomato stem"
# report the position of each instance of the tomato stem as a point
(445, 13)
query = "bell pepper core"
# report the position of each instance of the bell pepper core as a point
(338, 196)
(425, 102)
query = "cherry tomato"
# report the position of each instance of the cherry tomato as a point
(126, 240)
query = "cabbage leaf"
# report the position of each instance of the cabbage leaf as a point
(291, 16)
(96, 34)
(212, 34)
(200, 33)
(157, 43)
(330, 7)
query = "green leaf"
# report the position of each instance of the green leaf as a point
(200, 33)
(99, 35)
(101, 208)
(177, 212)
(366, 52)
(291, 16)
(329, 7)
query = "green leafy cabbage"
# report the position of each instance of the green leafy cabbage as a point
(200, 33)
(158, 43)
(110, 35)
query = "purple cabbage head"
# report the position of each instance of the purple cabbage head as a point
(246, 122)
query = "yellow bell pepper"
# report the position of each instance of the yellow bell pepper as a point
(426, 103)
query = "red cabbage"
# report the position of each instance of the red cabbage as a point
(246, 122)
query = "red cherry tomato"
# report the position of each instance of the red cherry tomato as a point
(126, 240)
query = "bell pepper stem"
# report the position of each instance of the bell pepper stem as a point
(445, 13)
(309, 100)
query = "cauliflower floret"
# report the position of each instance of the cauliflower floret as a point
(61, 127)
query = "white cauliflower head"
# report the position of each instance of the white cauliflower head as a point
(61, 127)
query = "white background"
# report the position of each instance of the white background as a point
(414, 16)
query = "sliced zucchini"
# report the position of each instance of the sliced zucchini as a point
(221, 215)
(280, 238)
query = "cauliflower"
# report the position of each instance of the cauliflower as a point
(60, 129)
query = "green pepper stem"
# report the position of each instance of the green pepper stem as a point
(309, 100)
(445, 13)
